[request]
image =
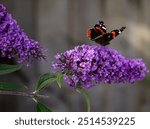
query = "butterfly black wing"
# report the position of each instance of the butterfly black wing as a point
(97, 30)
(101, 27)
(107, 37)
(99, 34)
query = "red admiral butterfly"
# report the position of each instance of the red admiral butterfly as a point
(100, 35)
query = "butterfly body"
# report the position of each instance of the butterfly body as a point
(99, 34)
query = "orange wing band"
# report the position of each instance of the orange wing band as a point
(89, 33)
(98, 28)
(113, 34)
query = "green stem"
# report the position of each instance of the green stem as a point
(87, 98)
(15, 93)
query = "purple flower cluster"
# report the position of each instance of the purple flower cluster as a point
(14, 43)
(87, 66)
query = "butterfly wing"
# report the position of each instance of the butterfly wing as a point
(105, 38)
(101, 27)
(115, 33)
(97, 30)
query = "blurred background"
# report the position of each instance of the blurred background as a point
(60, 25)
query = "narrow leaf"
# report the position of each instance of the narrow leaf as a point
(10, 86)
(59, 80)
(40, 107)
(44, 81)
(6, 69)
(87, 99)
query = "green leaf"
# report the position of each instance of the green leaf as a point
(6, 69)
(44, 81)
(10, 86)
(59, 79)
(42, 108)
(87, 99)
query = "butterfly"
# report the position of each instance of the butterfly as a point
(99, 34)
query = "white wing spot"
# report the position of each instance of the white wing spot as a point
(104, 27)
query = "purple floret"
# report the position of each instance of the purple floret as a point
(14, 43)
(87, 66)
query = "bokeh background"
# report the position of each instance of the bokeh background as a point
(60, 25)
